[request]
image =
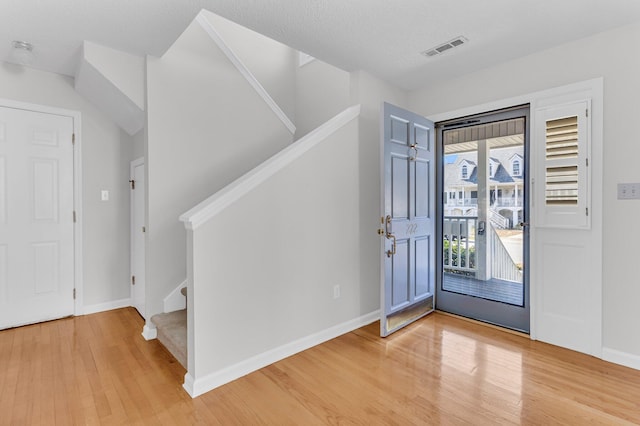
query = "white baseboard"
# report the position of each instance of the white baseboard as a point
(622, 358)
(188, 384)
(176, 301)
(198, 386)
(149, 332)
(107, 306)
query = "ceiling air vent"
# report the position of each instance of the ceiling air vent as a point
(458, 41)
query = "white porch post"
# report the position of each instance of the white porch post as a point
(483, 251)
(516, 196)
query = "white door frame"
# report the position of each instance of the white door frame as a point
(76, 116)
(135, 163)
(595, 88)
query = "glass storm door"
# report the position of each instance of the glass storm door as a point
(483, 243)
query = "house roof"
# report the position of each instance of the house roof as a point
(501, 156)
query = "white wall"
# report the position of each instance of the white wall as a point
(137, 148)
(205, 127)
(123, 70)
(272, 63)
(105, 157)
(607, 55)
(322, 91)
(370, 93)
(114, 82)
(264, 268)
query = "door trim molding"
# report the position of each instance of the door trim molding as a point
(76, 117)
(595, 90)
(132, 165)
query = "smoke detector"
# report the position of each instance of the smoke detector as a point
(435, 51)
(21, 52)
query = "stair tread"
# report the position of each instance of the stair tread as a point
(172, 333)
(168, 318)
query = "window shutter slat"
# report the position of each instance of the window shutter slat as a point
(561, 180)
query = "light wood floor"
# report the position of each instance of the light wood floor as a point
(97, 369)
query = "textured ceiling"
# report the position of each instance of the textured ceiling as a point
(383, 37)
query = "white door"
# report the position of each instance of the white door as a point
(137, 236)
(36, 217)
(408, 219)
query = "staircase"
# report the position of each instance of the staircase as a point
(172, 332)
(497, 220)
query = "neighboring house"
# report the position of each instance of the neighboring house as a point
(506, 180)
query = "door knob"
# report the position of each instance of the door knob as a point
(413, 147)
(390, 236)
(393, 245)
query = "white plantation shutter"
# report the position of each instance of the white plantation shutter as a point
(561, 175)
(562, 146)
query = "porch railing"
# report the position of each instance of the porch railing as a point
(503, 267)
(459, 244)
(498, 202)
(498, 221)
(508, 202)
(459, 250)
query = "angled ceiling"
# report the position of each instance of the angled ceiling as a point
(382, 37)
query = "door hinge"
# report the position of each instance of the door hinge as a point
(586, 210)
(586, 161)
(133, 184)
(73, 138)
(144, 229)
(586, 112)
(74, 216)
(74, 294)
(133, 280)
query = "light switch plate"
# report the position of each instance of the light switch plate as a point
(629, 191)
(105, 195)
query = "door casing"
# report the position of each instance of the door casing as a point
(138, 260)
(593, 89)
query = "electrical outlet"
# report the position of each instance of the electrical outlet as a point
(336, 291)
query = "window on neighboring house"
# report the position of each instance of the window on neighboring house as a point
(490, 169)
(516, 168)
(464, 172)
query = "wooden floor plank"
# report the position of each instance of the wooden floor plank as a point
(97, 369)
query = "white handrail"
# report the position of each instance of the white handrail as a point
(241, 186)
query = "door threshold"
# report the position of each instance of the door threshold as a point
(486, 324)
